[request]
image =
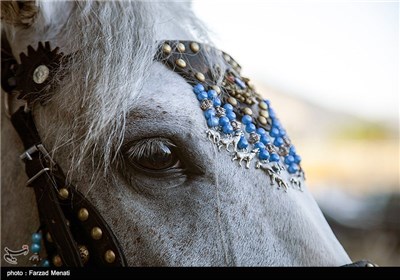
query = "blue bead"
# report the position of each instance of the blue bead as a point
(261, 131)
(273, 157)
(216, 102)
(278, 141)
(259, 145)
(250, 128)
(209, 113)
(297, 159)
(293, 168)
(292, 150)
(35, 248)
(202, 95)
(274, 132)
(228, 107)
(240, 83)
(277, 125)
(223, 121)
(37, 237)
(271, 113)
(265, 139)
(242, 144)
(263, 154)
(230, 115)
(246, 119)
(212, 94)
(45, 263)
(227, 129)
(289, 159)
(212, 122)
(198, 88)
(282, 132)
(267, 101)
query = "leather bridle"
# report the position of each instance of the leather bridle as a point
(75, 233)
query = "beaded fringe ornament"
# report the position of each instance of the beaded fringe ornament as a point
(239, 120)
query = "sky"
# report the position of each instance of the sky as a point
(339, 54)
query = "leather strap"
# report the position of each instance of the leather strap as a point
(59, 215)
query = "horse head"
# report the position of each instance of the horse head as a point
(130, 135)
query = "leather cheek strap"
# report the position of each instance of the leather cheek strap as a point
(76, 231)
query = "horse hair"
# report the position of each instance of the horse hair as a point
(113, 40)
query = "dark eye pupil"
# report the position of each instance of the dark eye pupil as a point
(158, 160)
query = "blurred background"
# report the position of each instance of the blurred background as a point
(331, 71)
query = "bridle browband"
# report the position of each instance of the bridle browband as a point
(75, 233)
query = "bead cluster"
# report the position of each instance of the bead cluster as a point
(247, 138)
(237, 116)
(36, 247)
(223, 119)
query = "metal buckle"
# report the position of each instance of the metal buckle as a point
(28, 155)
(29, 152)
(37, 175)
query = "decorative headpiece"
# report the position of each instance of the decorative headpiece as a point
(238, 118)
(35, 73)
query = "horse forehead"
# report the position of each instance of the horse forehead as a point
(164, 94)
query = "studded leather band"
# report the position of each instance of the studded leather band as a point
(76, 234)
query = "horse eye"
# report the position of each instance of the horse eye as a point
(153, 154)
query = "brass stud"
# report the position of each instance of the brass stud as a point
(264, 114)
(217, 89)
(83, 214)
(249, 101)
(181, 47)
(48, 237)
(200, 76)
(109, 256)
(370, 265)
(67, 222)
(40, 74)
(232, 101)
(166, 49)
(180, 62)
(262, 120)
(194, 47)
(63, 193)
(242, 98)
(234, 64)
(57, 261)
(248, 111)
(84, 253)
(96, 233)
(263, 105)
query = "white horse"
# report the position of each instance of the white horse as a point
(113, 105)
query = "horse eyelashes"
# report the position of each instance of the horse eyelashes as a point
(153, 154)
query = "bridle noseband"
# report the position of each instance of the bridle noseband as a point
(75, 233)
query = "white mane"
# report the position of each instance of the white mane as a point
(115, 44)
